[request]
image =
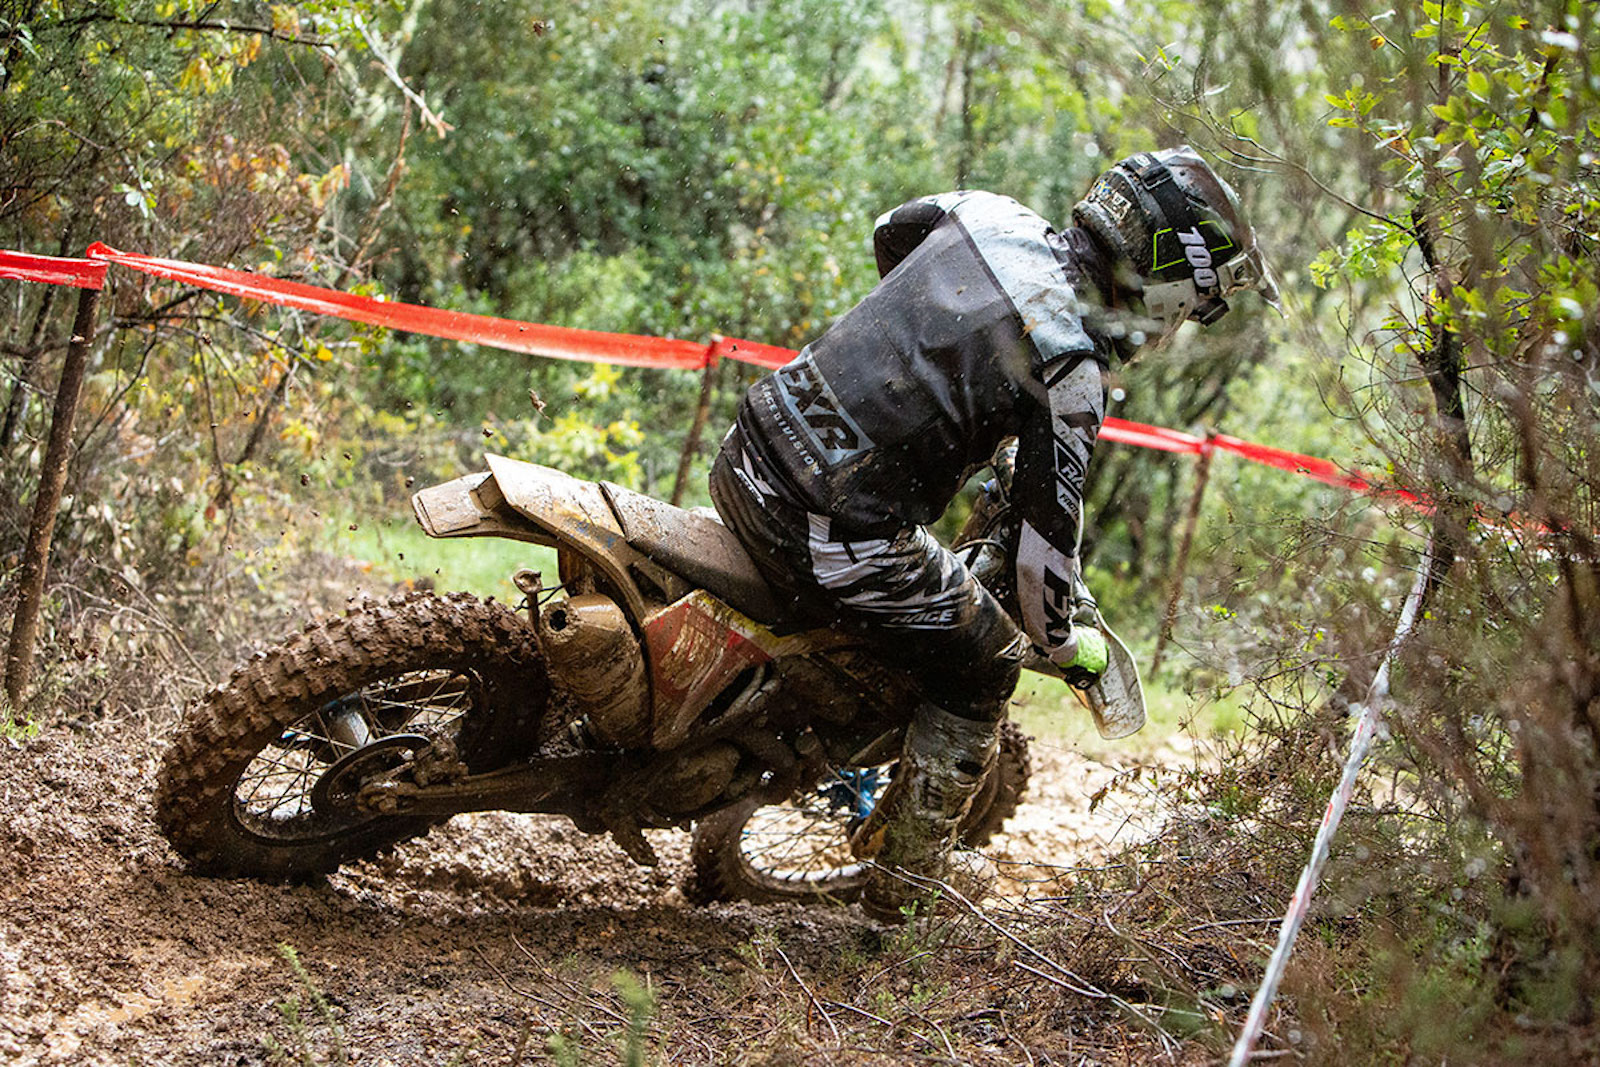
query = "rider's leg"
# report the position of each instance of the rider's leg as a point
(928, 616)
(909, 835)
(922, 612)
(944, 629)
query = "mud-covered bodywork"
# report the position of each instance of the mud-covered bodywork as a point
(698, 547)
(686, 587)
(527, 502)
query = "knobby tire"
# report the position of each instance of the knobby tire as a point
(196, 803)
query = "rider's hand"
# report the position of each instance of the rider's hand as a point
(1085, 658)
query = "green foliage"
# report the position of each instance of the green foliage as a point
(14, 727)
(1479, 389)
(394, 552)
(640, 1002)
(300, 1051)
(660, 171)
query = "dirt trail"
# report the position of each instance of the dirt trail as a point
(493, 930)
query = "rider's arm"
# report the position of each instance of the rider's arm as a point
(1053, 454)
(899, 232)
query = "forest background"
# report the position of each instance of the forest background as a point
(1424, 182)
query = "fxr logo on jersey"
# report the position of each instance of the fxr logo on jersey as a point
(1071, 464)
(805, 392)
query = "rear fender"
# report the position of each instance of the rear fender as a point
(472, 507)
(527, 502)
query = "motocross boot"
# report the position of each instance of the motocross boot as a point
(943, 762)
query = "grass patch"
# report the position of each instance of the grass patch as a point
(16, 727)
(398, 549)
(1046, 707)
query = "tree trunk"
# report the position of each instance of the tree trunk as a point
(702, 413)
(52, 478)
(1441, 364)
(17, 405)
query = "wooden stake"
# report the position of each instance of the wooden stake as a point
(697, 428)
(1191, 518)
(52, 480)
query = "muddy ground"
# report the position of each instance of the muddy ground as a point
(474, 945)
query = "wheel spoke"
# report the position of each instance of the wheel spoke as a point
(291, 793)
(806, 839)
(274, 770)
(274, 792)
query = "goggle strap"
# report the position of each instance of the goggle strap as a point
(1157, 180)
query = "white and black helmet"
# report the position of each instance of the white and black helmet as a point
(1181, 228)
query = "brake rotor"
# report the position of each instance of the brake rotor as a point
(340, 785)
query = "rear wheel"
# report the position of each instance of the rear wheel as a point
(800, 850)
(265, 775)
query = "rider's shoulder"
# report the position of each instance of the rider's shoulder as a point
(995, 218)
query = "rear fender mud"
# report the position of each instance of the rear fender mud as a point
(527, 502)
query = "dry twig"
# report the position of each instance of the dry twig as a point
(1082, 987)
(809, 994)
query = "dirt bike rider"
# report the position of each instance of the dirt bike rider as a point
(987, 324)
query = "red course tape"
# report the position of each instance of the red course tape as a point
(564, 342)
(52, 270)
(1312, 467)
(754, 352)
(1124, 432)
(556, 342)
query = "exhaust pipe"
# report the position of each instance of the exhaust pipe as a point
(592, 654)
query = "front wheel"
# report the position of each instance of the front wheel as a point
(265, 774)
(799, 850)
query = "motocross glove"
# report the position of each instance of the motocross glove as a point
(1090, 659)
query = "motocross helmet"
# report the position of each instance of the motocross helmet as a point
(1179, 234)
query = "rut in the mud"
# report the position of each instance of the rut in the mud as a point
(491, 931)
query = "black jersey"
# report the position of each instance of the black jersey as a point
(975, 333)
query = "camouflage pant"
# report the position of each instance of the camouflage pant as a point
(915, 603)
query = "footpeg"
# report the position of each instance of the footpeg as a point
(626, 833)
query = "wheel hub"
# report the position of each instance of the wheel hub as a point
(339, 788)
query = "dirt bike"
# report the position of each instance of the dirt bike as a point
(656, 684)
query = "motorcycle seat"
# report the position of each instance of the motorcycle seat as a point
(696, 546)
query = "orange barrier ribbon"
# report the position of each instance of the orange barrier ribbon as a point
(555, 342)
(565, 342)
(753, 352)
(1160, 438)
(1322, 470)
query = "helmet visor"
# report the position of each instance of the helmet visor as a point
(1250, 271)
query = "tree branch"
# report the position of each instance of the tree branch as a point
(196, 25)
